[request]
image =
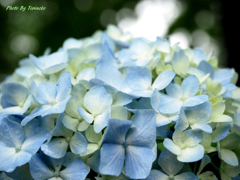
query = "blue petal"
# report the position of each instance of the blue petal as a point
(198, 56)
(202, 126)
(34, 140)
(155, 174)
(57, 108)
(77, 169)
(46, 92)
(205, 67)
(163, 79)
(11, 133)
(138, 78)
(55, 68)
(191, 154)
(10, 159)
(174, 90)
(97, 100)
(85, 115)
(101, 121)
(111, 159)
(13, 94)
(169, 144)
(56, 148)
(138, 162)
(221, 132)
(36, 112)
(196, 100)
(60, 129)
(186, 176)
(94, 161)
(78, 143)
(200, 113)
(169, 163)
(144, 131)
(116, 131)
(169, 105)
(63, 86)
(155, 100)
(39, 170)
(190, 86)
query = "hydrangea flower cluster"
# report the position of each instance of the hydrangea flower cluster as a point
(120, 107)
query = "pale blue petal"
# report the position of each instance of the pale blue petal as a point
(47, 122)
(78, 143)
(202, 126)
(155, 175)
(55, 68)
(101, 121)
(36, 112)
(169, 144)
(7, 160)
(192, 137)
(199, 55)
(190, 86)
(11, 111)
(221, 132)
(229, 157)
(196, 100)
(58, 107)
(34, 140)
(145, 103)
(191, 154)
(169, 105)
(141, 93)
(30, 126)
(182, 122)
(122, 99)
(138, 78)
(144, 132)
(94, 161)
(86, 74)
(162, 131)
(174, 90)
(46, 93)
(155, 100)
(116, 131)
(56, 148)
(27, 104)
(169, 163)
(163, 79)
(200, 113)
(205, 67)
(109, 75)
(97, 100)
(223, 76)
(39, 170)
(186, 176)
(77, 169)
(11, 133)
(15, 93)
(138, 162)
(111, 159)
(68, 158)
(63, 86)
(60, 129)
(20, 173)
(85, 115)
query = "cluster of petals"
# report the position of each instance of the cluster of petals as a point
(122, 108)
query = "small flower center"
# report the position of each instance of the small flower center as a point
(150, 88)
(56, 173)
(68, 139)
(17, 149)
(95, 114)
(125, 144)
(20, 105)
(80, 118)
(183, 99)
(52, 103)
(183, 146)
